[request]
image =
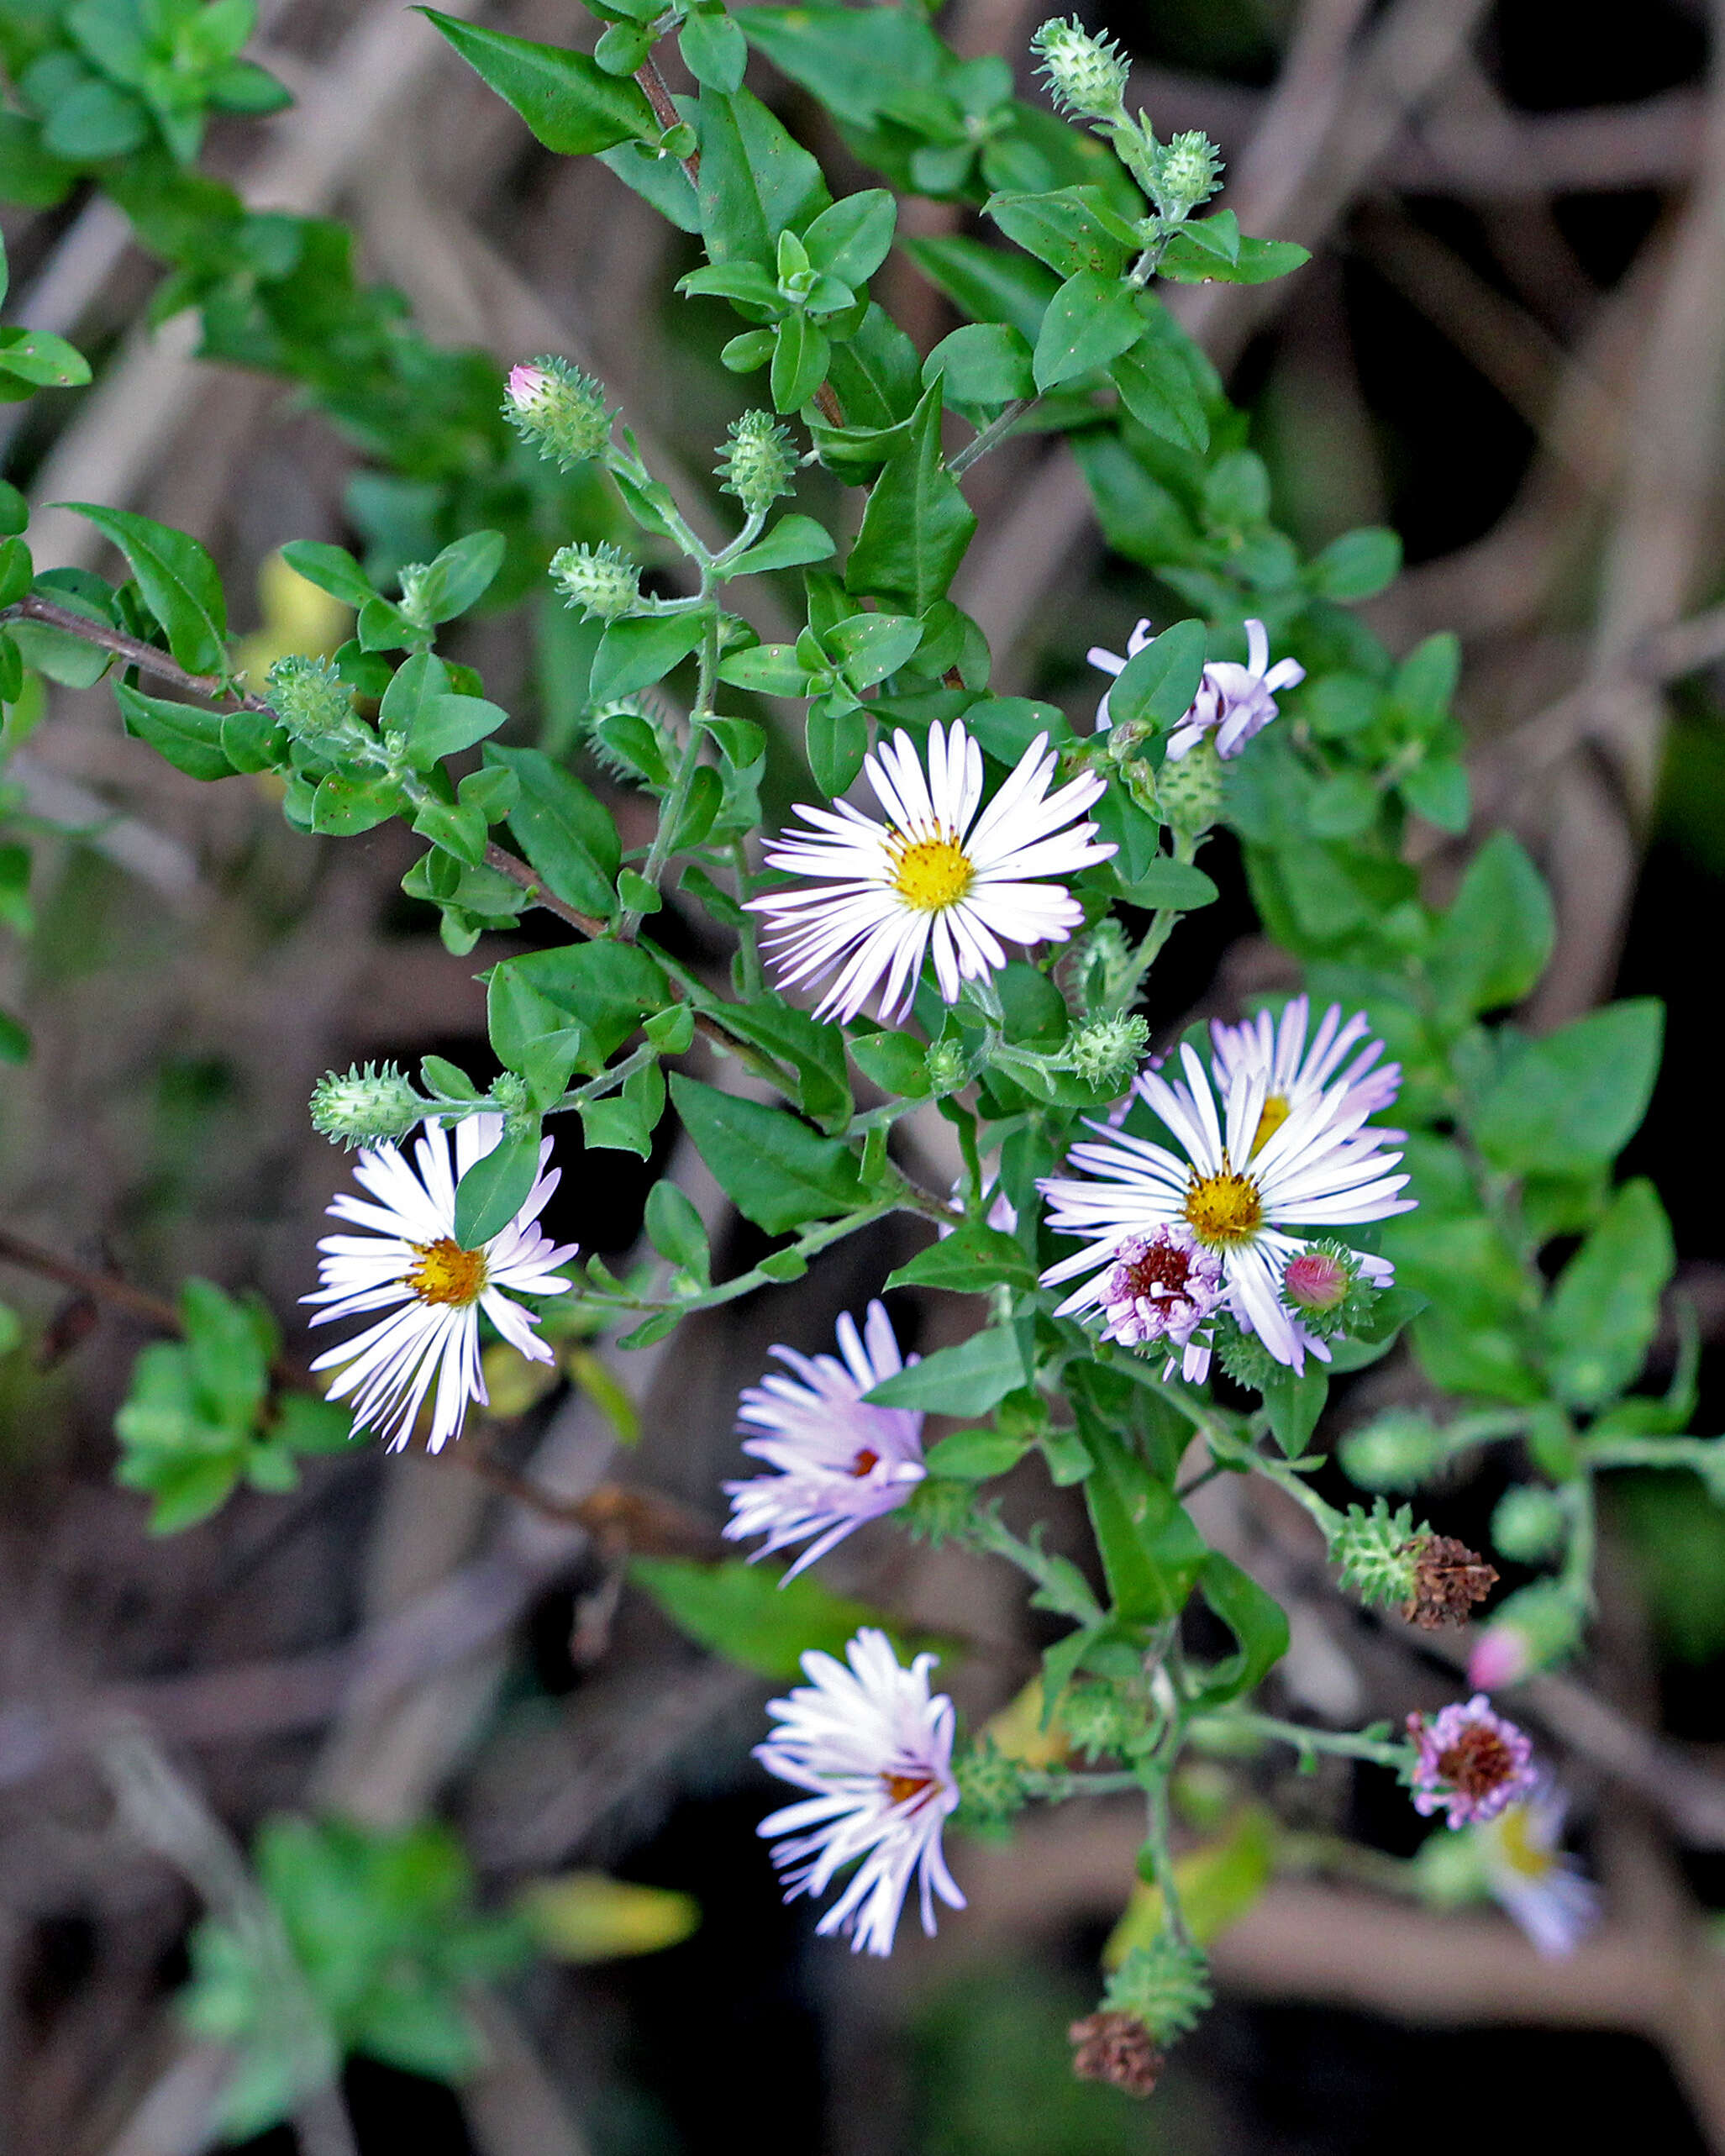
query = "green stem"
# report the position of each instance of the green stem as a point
(671, 814)
(748, 943)
(1162, 921)
(608, 1082)
(1056, 1788)
(1576, 1497)
(1061, 1584)
(1343, 1743)
(993, 435)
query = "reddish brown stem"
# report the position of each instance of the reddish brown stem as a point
(665, 112)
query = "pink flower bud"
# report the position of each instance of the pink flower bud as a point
(527, 384)
(1315, 1281)
(1500, 1657)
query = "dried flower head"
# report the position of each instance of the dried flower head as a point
(1116, 2049)
(1449, 1578)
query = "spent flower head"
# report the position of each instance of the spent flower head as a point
(758, 463)
(365, 1106)
(1118, 2050)
(1085, 75)
(1470, 1763)
(558, 410)
(601, 581)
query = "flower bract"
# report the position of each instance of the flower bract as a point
(836, 1461)
(1243, 1200)
(409, 1266)
(944, 876)
(873, 1748)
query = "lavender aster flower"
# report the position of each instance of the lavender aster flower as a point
(1233, 701)
(837, 1461)
(1296, 1074)
(1163, 1286)
(874, 1747)
(1533, 1879)
(1472, 1763)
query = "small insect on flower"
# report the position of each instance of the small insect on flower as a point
(1472, 1763)
(1240, 1198)
(1234, 702)
(410, 1265)
(937, 877)
(874, 1747)
(837, 1462)
(1532, 1877)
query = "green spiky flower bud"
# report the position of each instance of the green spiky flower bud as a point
(1529, 1524)
(312, 702)
(1188, 789)
(1186, 172)
(990, 1785)
(365, 1107)
(758, 462)
(1101, 1722)
(604, 583)
(948, 1065)
(939, 1508)
(1166, 1986)
(558, 410)
(1106, 1052)
(1396, 1452)
(1377, 1553)
(1085, 75)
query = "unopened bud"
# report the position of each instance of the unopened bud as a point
(367, 1106)
(1084, 75)
(1323, 1286)
(1101, 1724)
(1314, 1281)
(1105, 1052)
(1189, 788)
(1186, 172)
(603, 582)
(991, 1783)
(1396, 1452)
(948, 1065)
(1537, 1627)
(758, 462)
(558, 410)
(312, 701)
(1166, 1986)
(1529, 1524)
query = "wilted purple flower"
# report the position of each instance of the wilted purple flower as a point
(1472, 1763)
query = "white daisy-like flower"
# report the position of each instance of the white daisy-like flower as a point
(937, 876)
(1239, 1190)
(410, 1265)
(1532, 1877)
(1297, 1073)
(837, 1461)
(1233, 701)
(875, 1747)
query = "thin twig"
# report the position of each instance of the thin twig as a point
(665, 112)
(100, 1287)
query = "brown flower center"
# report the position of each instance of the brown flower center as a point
(444, 1272)
(867, 1461)
(1117, 2048)
(1478, 1762)
(1160, 1265)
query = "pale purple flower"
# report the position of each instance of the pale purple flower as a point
(1244, 1202)
(944, 876)
(1233, 701)
(1533, 1878)
(1297, 1073)
(527, 386)
(410, 1265)
(1163, 1286)
(1472, 1763)
(1002, 1213)
(837, 1461)
(876, 1749)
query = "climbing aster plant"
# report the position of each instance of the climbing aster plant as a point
(1174, 1254)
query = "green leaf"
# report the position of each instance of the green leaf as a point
(344, 807)
(1151, 1553)
(895, 1062)
(1191, 257)
(229, 1354)
(190, 738)
(740, 1611)
(869, 647)
(774, 1169)
(1159, 682)
(1160, 385)
(793, 542)
(1165, 881)
(971, 1261)
(1071, 229)
(975, 1455)
(566, 98)
(1604, 1311)
(800, 356)
(617, 1126)
(178, 582)
(987, 284)
(1437, 790)
(983, 362)
(677, 1231)
(836, 741)
(1426, 680)
(1575, 1098)
(636, 653)
(714, 51)
(917, 524)
(565, 831)
(1497, 935)
(38, 357)
(95, 121)
(1358, 564)
(459, 576)
(1295, 1404)
(1255, 1618)
(495, 1188)
(850, 240)
(1090, 320)
(967, 1379)
(609, 987)
(757, 180)
(814, 1049)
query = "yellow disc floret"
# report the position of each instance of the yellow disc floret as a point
(930, 874)
(1271, 1118)
(1223, 1209)
(444, 1272)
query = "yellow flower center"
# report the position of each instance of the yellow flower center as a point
(1271, 1117)
(1521, 1853)
(444, 1272)
(901, 1788)
(930, 874)
(1223, 1209)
